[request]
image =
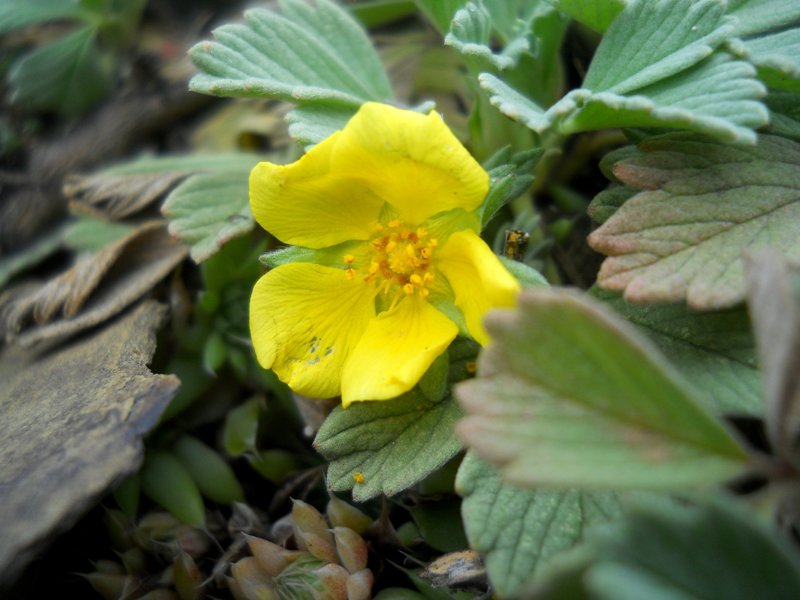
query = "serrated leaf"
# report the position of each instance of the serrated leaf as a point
(508, 179)
(394, 444)
(757, 16)
(572, 396)
(67, 75)
(673, 552)
(208, 209)
(15, 14)
(308, 55)
(714, 351)
(608, 201)
(704, 204)
(471, 32)
(776, 56)
(774, 303)
(651, 40)
(311, 124)
(655, 67)
(519, 531)
(597, 14)
(717, 97)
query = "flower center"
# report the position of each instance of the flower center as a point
(395, 258)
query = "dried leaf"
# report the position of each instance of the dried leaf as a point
(71, 420)
(118, 196)
(775, 312)
(98, 287)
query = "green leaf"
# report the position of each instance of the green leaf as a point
(717, 97)
(208, 470)
(525, 274)
(89, 233)
(758, 16)
(311, 124)
(208, 209)
(30, 255)
(704, 204)
(608, 201)
(655, 39)
(519, 531)
(714, 351)
(167, 482)
(776, 56)
(396, 443)
(784, 110)
(509, 178)
(471, 33)
(655, 67)
(67, 75)
(308, 55)
(241, 427)
(596, 14)
(15, 14)
(673, 552)
(189, 163)
(575, 397)
(441, 12)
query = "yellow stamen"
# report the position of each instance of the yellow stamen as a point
(394, 224)
(408, 289)
(349, 259)
(416, 279)
(350, 274)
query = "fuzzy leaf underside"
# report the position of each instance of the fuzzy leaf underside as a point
(571, 396)
(713, 350)
(519, 531)
(702, 206)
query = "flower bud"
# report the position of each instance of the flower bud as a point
(342, 514)
(351, 548)
(334, 582)
(251, 582)
(307, 520)
(271, 558)
(187, 577)
(359, 585)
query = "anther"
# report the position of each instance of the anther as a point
(408, 289)
(349, 259)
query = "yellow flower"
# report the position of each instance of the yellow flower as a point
(387, 206)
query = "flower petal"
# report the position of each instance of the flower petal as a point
(411, 160)
(396, 349)
(304, 320)
(478, 278)
(307, 203)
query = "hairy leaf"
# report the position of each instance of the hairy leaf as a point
(705, 204)
(441, 12)
(669, 551)
(758, 16)
(386, 447)
(66, 75)
(208, 209)
(71, 422)
(657, 66)
(308, 55)
(519, 531)
(471, 33)
(774, 302)
(597, 14)
(784, 114)
(714, 350)
(572, 396)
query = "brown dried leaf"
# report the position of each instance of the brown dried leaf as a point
(775, 312)
(118, 196)
(98, 287)
(71, 421)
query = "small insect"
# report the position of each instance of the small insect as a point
(457, 570)
(516, 243)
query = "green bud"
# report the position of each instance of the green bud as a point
(342, 514)
(167, 482)
(359, 585)
(208, 470)
(134, 560)
(271, 558)
(351, 548)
